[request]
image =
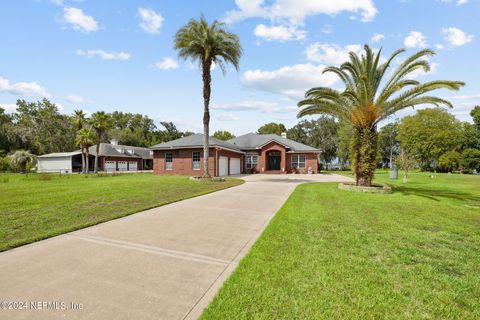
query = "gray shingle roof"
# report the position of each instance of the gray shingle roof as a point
(60, 154)
(110, 150)
(254, 141)
(195, 141)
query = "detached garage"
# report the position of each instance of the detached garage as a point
(61, 162)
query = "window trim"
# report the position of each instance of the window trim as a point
(199, 160)
(169, 167)
(251, 164)
(298, 162)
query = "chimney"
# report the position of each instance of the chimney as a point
(114, 142)
(284, 135)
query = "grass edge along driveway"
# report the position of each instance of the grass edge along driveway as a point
(41, 206)
(334, 254)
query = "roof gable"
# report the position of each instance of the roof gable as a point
(195, 141)
(256, 141)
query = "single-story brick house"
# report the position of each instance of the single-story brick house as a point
(111, 157)
(250, 153)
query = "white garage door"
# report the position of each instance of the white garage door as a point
(132, 166)
(234, 166)
(122, 166)
(110, 166)
(223, 166)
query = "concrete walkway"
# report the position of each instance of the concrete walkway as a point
(163, 263)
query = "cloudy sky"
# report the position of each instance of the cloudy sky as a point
(118, 55)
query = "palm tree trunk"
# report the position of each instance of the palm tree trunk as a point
(87, 165)
(96, 157)
(207, 79)
(83, 159)
(364, 151)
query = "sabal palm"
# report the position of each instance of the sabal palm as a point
(100, 122)
(23, 159)
(85, 139)
(208, 44)
(369, 98)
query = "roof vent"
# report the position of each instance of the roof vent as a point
(284, 135)
(114, 142)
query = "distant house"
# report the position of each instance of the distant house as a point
(261, 153)
(111, 157)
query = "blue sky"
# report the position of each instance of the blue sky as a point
(118, 55)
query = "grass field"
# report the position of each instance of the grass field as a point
(334, 254)
(41, 206)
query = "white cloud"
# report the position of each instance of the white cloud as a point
(23, 88)
(228, 117)
(296, 11)
(279, 32)
(458, 2)
(150, 21)
(104, 55)
(9, 107)
(327, 29)
(331, 54)
(78, 20)
(456, 37)
(75, 98)
(291, 81)
(57, 2)
(167, 63)
(249, 105)
(377, 37)
(415, 40)
(439, 46)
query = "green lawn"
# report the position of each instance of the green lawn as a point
(41, 206)
(334, 254)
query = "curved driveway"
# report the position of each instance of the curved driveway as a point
(163, 263)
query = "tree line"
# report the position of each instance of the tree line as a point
(40, 128)
(432, 139)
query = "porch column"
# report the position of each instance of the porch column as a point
(283, 161)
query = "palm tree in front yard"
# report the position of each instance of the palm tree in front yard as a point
(85, 139)
(79, 120)
(23, 160)
(368, 98)
(208, 44)
(100, 122)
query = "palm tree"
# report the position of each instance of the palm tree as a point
(79, 120)
(85, 139)
(208, 44)
(367, 99)
(100, 122)
(23, 160)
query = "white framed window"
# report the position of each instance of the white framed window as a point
(251, 161)
(168, 161)
(298, 161)
(196, 160)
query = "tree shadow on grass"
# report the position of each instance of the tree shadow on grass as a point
(436, 195)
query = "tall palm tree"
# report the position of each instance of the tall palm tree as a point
(24, 160)
(207, 44)
(368, 98)
(100, 122)
(79, 120)
(85, 139)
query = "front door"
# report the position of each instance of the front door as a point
(274, 160)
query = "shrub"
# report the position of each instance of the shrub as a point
(449, 161)
(5, 164)
(470, 159)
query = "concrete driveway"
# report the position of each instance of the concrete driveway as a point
(163, 263)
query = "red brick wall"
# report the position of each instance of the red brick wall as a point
(311, 161)
(182, 161)
(263, 162)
